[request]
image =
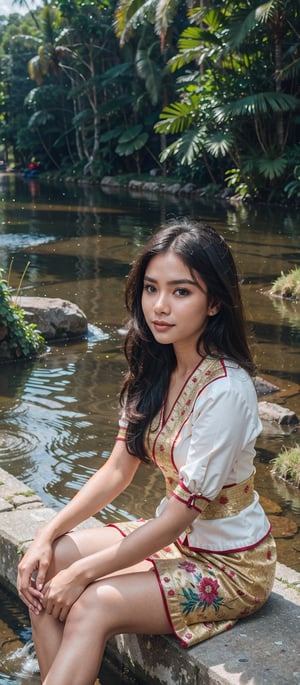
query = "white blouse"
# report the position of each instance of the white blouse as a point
(209, 442)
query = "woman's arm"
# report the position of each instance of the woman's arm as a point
(141, 543)
(102, 488)
(63, 590)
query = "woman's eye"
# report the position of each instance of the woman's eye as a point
(182, 292)
(149, 288)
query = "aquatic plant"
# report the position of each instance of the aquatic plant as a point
(21, 338)
(287, 285)
(287, 465)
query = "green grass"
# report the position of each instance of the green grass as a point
(288, 285)
(287, 465)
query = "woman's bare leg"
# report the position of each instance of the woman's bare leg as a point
(47, 631)
(127, 603)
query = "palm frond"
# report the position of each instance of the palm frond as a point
(130, 14)
(189, 146)
(169, 151)
(260, 103)
(193, 36)
(177, 117)
(131, 141)
(291, 70)
(164, 16)
(212, 18)
(248, 21)
(219, 143)
(150, 72)
(272, 168)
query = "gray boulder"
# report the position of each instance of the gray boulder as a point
(55, 318)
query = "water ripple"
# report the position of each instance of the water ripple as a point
(16, 442)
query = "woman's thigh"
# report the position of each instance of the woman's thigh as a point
(127, 603)
(81, 543)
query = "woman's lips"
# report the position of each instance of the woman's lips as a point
(162, 325)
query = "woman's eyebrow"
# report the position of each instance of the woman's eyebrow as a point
(176, 281)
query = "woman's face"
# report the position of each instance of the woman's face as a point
(174, 301)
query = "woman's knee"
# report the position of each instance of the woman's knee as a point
(97, 607)
(64, 553)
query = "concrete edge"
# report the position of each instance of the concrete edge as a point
(233, 658)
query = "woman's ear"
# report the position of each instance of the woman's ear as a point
(214, 308)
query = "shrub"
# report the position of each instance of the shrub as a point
(22, 338)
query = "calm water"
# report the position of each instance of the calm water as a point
(59, 414)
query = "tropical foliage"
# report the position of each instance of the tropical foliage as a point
(21, 338)
(207, 92)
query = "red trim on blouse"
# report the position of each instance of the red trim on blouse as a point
(223, 551)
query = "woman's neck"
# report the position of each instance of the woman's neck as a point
(186, 362)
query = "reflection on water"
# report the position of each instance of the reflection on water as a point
(59, 414)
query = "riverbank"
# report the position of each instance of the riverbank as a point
(260, 650)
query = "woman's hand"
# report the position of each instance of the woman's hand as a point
(32, 572)
(60, 593)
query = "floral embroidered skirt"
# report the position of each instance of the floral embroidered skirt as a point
(205, 593)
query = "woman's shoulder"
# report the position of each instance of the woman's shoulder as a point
(233, 381)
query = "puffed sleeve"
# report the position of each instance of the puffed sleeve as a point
(225, 425)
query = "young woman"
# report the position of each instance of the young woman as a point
(189, 407)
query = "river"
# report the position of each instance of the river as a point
(59, 414)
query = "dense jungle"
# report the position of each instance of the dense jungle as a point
(207, 93)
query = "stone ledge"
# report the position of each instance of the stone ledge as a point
(261, 650)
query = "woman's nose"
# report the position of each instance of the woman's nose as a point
(161, 304)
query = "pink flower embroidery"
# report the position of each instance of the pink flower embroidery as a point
(171, 593)
(188, 636)
(246, 488)
(161, 447)
(188, 566)
(223, 500)
(269, 555)
(167, 549)
(208, 626)
(208, 590)
(229, 626)
(194, 380)
(208, 373)
(231, 574)
(166, 579)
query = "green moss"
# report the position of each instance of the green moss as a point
(287, 465)
(287, 285)
(22, 338)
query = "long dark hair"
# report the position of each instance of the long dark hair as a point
(150, 364)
